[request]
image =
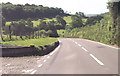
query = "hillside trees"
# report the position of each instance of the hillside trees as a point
(53, 29)
(81, 14)
(76, 21)
(61, 21)
(16, 12)
(93, 20)
(29, 22)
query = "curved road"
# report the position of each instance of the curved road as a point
(72, 56)
(80, 56)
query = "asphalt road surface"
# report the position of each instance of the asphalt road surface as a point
(80, 56)
(76, 56)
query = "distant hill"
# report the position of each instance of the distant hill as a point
(102, 14)
(89, 15)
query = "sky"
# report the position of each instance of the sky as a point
(86, 6)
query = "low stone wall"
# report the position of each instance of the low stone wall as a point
(28, 51)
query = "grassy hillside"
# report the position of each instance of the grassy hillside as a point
(67, 19)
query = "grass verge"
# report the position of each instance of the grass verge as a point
(35, 47)
(35, 42)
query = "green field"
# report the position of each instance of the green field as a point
(35, 23)
(35, 42)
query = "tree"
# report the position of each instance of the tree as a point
(52, 27)
(61, 21)
(17, 12)
(29, 22)
(114, 8)
(76, 21)
(42, 25)
(93, 20)
(3, 21)
(80, 14)
(21, 27)
(2, 27)
(10, 29)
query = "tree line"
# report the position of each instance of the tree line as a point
(21, 17)
(13, 12)
(25, 28)
(28, 30)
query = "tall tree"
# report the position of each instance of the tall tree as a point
(76, 21)
(29, 22)
(61, 21)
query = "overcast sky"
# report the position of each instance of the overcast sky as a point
(86, 6)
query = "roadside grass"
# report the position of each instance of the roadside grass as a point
(35, 42)
(95, 33)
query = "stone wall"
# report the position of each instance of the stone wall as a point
(28, 51)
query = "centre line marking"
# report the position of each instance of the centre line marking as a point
(44, 60)
(40, 65)
(76, 42)
(96, 59)
(26, 71)
(7, 65)
(84, 49)
(79, 45)
(34, 72)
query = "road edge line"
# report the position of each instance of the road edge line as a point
(102, 44)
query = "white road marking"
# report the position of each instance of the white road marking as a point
(59, 40)
(38, 61)
(48, 57)
(84, 49)
(40, 65)
(33, 72)
(7, 65)
(51, 53)
(79, 45)
(55, 50)
(76, 42)
(38, 58)
(96, 59)
(26, 71)
(44, 60)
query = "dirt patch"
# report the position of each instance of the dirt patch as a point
(19, 65)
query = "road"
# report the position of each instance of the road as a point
(80, 56)
(75, 56)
